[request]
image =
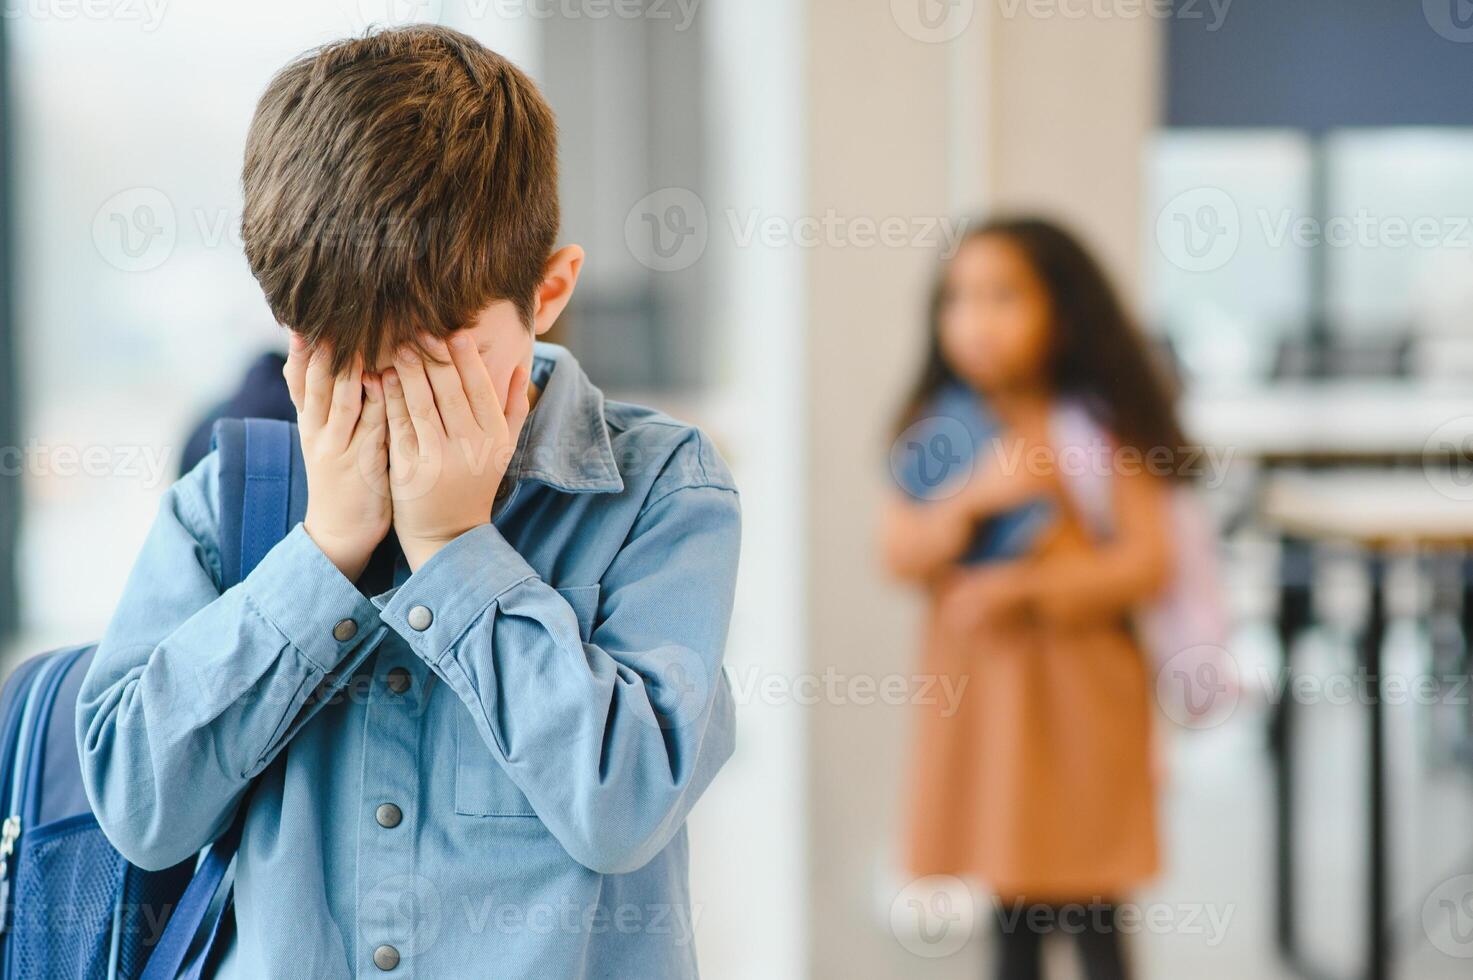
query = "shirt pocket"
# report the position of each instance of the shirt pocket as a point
(482, 787)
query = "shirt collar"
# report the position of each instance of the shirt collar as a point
(565, 442)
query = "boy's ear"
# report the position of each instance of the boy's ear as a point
(559, 279)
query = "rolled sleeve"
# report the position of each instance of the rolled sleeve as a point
(455, 587)
(302, 593)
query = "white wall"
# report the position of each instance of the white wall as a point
(1072, 102)
(878, 149)
(749, 863)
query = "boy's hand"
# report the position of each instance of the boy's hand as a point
(344, 430)
(450, 442)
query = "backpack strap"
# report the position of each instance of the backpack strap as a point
(1078, 440)
(197, 920)
(262, 491)
(260, 469)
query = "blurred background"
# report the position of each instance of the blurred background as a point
(765, 190)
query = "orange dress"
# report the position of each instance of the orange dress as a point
(1041, 783)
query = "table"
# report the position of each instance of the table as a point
(1297, 423)
(1380, 512)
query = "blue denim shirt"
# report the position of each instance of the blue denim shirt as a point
(500, 794)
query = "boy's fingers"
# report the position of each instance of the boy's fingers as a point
(450, 396)
(347, 402)
(419, 397)
(295, 371)
(518, 404)
(318, 396)
(374, 419)
(396, 413)
(476, 380)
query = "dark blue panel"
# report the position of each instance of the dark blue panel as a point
(1317, 64)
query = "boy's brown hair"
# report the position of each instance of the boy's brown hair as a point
(395, 184)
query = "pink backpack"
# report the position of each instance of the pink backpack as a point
(1186, 628)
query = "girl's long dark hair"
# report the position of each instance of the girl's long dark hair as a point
(1097, 353)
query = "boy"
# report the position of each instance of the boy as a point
(481, 766)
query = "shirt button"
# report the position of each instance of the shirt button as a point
(420, 618)
(388, 815)
(345, 630)
(399, 680)
(386, 957)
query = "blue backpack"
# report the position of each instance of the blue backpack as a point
(71, 907)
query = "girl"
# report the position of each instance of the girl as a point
(1040, 785)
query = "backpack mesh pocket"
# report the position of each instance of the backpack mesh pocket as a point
(149, 898)
(68, 885)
